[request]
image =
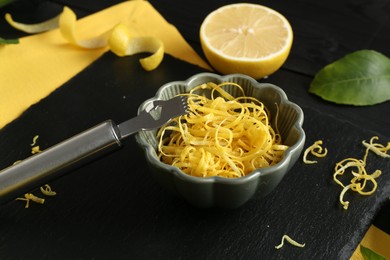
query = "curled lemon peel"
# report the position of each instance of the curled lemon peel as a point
(315, 149)
(221, 136)
(122, 43)
(359, 181)
(46, 190)
(290, 240)
(118, 39)
(33, 28)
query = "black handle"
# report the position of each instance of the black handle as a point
(53, 162)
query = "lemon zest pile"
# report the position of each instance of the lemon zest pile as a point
(290, 240)
(316, 150)
(222, 136)
(360, 176)
(118, 39)
(46, 190)
(31, 197)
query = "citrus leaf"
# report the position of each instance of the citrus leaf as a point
(360, 78)
(9, 41)
(368, 254)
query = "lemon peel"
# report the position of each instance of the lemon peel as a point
(118, 39)
(67, 24)
(33, 28)
(31, 197)
(122, 43)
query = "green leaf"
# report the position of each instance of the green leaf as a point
(360, 78)
(9, 41)
(5, 2)
(368, 254)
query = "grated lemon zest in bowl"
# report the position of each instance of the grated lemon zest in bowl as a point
(290, 240)
(221, 136)
(117, 39)
(315, 149)
(361, 178)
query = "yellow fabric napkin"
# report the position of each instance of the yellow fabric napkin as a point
(41, 63)
(376, 240)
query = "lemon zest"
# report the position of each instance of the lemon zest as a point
(33, 28)
(118, 39)
(222, 136)
(315, 149)
(34, 141)
(358, 183)
(35, 149)
(31, 197)
(378, 149)
(290, 240)
(46, 190)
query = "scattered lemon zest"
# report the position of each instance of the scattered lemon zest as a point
(222, 136)
(46, 190)
(315, 149)
(34, 141)
(31, 197)
(290, 240)
(378, 149)
(35, 149)
(360, 176)
(118, 39)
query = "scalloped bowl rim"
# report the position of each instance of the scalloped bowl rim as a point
(216, 179)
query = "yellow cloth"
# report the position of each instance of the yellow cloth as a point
(41, 63)
(376, 240)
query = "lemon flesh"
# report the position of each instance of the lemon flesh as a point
(246, 38)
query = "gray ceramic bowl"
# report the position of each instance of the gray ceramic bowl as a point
(225, 192)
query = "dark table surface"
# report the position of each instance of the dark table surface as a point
(112, 208)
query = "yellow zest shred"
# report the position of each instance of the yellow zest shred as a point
(360, 180)
(378, 149)
(221, 136)
(46, 190)
(290, 240)
(316, 150)
(35, 149)
(118, 39)
(32, 197)
(34, 141)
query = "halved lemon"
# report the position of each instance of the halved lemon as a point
(246, 38)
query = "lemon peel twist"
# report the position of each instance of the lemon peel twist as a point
(117, 39)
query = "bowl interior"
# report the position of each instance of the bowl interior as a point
(287, 122)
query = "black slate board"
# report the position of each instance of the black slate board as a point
(112, 208)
